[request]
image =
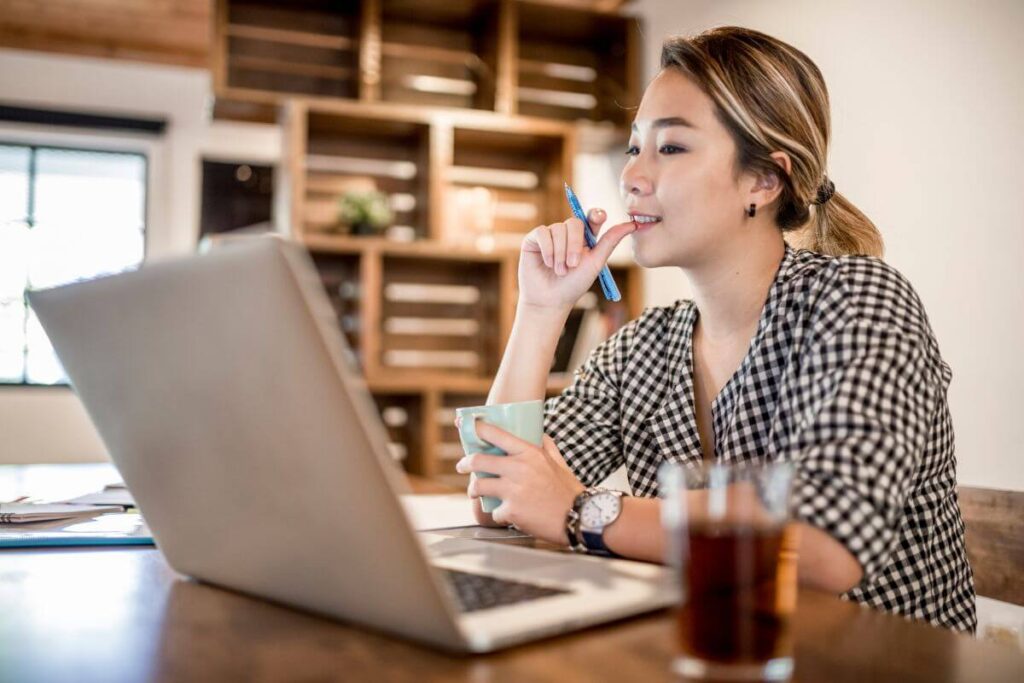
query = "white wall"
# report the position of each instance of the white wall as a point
(927, 103)
(49, 424)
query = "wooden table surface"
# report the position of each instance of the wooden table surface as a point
(121, 614)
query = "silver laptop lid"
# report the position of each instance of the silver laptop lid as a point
(220, 386)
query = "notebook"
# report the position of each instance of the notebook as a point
(117, 528)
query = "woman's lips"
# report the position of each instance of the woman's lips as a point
(640, 225)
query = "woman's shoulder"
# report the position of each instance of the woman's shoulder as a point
(857, 287)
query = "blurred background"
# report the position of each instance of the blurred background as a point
(411, 144)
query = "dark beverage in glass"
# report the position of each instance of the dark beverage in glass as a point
(738, 595)
(736, 554)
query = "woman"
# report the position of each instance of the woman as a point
(823, 357)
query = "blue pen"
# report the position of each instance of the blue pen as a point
(611, 291)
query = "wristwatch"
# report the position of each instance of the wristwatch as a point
(592, 512)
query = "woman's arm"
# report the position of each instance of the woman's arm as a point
(823, 562)
(555, 269)
(523, 373)
(540, 489)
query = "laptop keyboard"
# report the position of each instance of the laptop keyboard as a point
(475, 592)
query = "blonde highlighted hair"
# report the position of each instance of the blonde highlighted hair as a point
(772, 97)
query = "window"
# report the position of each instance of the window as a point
(65, 215)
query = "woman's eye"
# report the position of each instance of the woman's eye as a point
(670, 149)
(632, 151)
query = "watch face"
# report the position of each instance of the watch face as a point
(600, 510)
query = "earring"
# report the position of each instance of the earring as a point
(751, 210)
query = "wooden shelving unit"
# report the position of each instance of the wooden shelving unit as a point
(451, 109)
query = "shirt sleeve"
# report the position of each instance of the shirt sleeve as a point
(864, 400)
(584, 420)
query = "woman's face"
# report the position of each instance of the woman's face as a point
(680, 172)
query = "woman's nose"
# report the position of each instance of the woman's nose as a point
(634, 181)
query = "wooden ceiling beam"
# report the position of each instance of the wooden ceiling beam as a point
(163, 31)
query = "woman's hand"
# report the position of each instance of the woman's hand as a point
(555, 265)
(534, 484)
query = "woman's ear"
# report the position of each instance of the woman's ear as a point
(769, 185)
(782, 159)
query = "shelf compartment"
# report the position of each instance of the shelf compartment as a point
(306, 48)
(402, 415)
(341, 278)
(345, 153)
(501, 185)
(438, 317)
(575, 64)
(440, 54)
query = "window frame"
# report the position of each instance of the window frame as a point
(36, 140)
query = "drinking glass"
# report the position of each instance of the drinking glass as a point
(730, 536)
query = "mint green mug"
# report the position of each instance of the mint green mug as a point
(524, 419)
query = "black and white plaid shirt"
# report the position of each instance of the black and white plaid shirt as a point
(844, 379)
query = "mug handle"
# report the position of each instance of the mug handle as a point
(471, 428)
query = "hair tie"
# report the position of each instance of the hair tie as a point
(825, 191)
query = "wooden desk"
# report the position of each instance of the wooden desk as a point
(123, 615)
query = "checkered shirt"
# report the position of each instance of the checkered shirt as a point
(844, 379)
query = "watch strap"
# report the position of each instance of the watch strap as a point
(572, 524)
(595, 544)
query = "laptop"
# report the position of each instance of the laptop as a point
(228, 399)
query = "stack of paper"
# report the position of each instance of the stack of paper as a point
(446, 511)
(22, 513)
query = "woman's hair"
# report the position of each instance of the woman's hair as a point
(771, 97)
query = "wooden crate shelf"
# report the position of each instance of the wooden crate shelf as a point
(501, 184)
(468, 115)
(545, 60)
(576, 64)
(346, 153)
(439, 316)
(307, 47)
(341, 277)
(403, 419)
(440, 53)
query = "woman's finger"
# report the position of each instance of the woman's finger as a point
(559, 238)
(539, 239)
(611, 238)
(487, 486)
(574, 242)
(497, 465)
(502, 514)
(492, 434)
(596, 218)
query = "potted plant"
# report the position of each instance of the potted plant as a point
(364, 213)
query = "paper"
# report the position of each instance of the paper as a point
(445, 511)
(109, 496)
(16, 513)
